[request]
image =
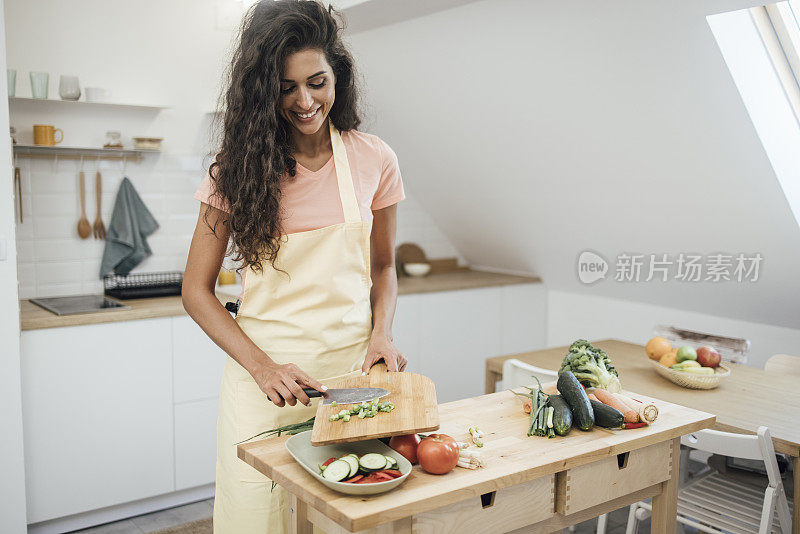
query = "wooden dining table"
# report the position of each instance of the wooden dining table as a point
(748, 398)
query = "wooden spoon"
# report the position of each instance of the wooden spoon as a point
(84, 228)
(99, 228)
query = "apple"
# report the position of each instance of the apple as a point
(708, 357)
(686, 353)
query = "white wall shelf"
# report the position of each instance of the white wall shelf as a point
(52, 102)
(39, 151)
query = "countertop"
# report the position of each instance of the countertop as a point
(33, 317)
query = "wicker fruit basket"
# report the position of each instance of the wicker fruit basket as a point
(691, 380)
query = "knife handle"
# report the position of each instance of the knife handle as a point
(311, 392)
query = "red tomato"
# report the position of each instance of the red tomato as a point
(438, 454)
(328, 462)
(406, 446)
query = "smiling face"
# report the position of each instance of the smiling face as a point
(307, 91)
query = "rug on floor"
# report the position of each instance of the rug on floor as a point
(202, 526)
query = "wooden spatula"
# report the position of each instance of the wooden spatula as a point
(415, 409)
(84, 228)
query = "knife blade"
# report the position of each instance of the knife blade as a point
(347, 395)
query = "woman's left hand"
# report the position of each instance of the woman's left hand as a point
(382, 348)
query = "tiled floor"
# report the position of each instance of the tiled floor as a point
(145, 524)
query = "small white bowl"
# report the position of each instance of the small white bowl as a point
(417, 269)
(309, 458)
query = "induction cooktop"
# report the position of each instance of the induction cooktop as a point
(79, 304)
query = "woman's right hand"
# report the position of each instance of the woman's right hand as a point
(284, 383)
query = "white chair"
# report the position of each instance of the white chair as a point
(714, 503)
(517, 373)
(785, 364)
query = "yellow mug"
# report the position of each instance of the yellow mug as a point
(226, 277)
(44, 134)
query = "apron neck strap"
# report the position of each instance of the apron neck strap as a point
(347, 193)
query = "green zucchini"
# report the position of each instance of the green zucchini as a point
(562, 416)
(575, 395)
(607, 416)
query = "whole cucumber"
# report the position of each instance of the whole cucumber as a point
(607, 416)
(575, 395)
(562, 415)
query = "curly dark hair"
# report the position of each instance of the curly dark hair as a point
(256, 147)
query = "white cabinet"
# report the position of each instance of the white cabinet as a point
(447, 336)
(97, 412)
(405, 330)
(198, 365)
(198, 362)
(524, 311)
(195, 443)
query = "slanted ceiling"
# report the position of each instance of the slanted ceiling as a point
(532, 131)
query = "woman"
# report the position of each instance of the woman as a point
(310, 205)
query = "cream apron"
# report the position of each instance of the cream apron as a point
(319, 318)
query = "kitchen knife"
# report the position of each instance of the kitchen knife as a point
(347, 395)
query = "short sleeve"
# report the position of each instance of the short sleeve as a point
(205, 194)
(390, 187)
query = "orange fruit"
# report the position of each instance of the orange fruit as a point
(657, 347)
(668, 359)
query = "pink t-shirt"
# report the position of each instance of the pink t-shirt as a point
(311, 199)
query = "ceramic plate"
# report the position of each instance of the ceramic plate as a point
(308, 456)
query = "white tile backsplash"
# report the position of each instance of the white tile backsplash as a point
(53, 261)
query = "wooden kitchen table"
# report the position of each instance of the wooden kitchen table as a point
(748, 398)
(531, 483)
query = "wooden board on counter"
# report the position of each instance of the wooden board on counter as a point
(511, 458)
(414, 398)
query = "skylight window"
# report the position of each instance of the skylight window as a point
(760, 46)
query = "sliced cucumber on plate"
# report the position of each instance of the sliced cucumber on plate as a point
(372, 462)
(337, 471)
(352, 460)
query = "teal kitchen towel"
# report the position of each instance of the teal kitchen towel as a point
(126, 239)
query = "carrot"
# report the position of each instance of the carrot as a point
(608, 398)
(526, 406)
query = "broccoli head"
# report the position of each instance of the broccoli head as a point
(591, 366)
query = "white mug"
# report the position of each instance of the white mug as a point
(69, 88)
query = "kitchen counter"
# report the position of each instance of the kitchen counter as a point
(33, 317)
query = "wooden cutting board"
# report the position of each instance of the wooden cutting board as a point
(415, 409)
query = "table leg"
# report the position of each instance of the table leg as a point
(298, 517)
(491, 381)
(665, 504)
(796, 511)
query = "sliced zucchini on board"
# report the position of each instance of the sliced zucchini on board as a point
(372, 462)
(352, 460)
(390, 462)
(337, 471)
